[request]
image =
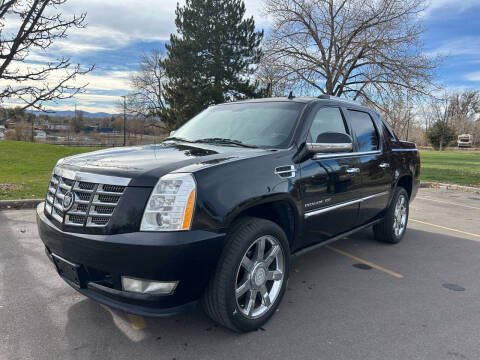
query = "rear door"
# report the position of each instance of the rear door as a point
(374, 164)
(330, 182)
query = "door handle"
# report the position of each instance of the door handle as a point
(353, 170)
(384, 165)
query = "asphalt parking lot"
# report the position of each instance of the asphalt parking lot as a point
(355, 299)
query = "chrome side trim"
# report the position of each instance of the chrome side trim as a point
(338, 206)
(351, 154)
(401, 150)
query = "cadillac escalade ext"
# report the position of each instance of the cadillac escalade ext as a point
(214, 213)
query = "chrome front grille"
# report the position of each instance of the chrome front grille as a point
(93, 203)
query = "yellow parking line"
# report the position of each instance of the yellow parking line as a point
(369, 263)
(138, 322)
(448, 202)
(444, 227)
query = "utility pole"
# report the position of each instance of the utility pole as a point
(124, 119)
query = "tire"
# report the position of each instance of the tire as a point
(232, 276)
(392, 228)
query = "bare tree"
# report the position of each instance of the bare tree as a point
(399, 111)
(148, 83)
(354, 48)
(37, 25)
(476, 132)
(273, 78)
(464, 109)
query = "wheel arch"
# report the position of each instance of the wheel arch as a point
(278, 209)
(406, 181)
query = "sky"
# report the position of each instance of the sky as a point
(119, 31)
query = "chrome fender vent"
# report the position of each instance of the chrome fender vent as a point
(286, 171)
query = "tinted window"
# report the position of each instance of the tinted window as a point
(386, 134)
(391, 133)
(362, 126)
(327, 119)
(264, 124)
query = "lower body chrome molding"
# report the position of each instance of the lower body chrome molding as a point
(338, 206)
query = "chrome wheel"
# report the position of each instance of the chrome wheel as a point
(400, 215)
(259, 277)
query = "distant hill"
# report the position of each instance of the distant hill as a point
(86, 114)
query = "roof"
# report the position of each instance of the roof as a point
(301, 99)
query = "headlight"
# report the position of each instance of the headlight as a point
(170, 206)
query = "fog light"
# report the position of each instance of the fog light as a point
(147, 286)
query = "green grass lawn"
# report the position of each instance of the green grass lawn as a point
(26, 167)
(452, 167)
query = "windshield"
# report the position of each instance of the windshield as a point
(264, 124)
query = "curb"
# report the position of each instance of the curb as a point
(435, 185)
(19, 204)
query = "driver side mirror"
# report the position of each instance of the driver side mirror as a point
(331, 142)
(172, 132)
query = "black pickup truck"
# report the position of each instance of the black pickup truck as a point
(215, 212)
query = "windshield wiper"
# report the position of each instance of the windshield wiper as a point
(224, 141)
(178, 139)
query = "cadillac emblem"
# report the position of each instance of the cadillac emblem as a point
(68, 201)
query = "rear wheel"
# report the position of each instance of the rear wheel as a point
(393, 226)
(251, 276)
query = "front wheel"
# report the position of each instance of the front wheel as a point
(251, 276)
(392, 228)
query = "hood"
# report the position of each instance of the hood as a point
(145, 164)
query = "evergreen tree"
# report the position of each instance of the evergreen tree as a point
(212, 58)
(440, 135)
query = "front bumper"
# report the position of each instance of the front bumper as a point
(189, 257)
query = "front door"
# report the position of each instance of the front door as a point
(329, 183)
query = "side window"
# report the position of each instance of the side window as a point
(365, 132)
(391, 133)
(387, 135)
(327, 119)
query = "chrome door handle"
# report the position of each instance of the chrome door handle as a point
(353, 170)
(384, 165)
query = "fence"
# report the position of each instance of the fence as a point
(106, 142)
